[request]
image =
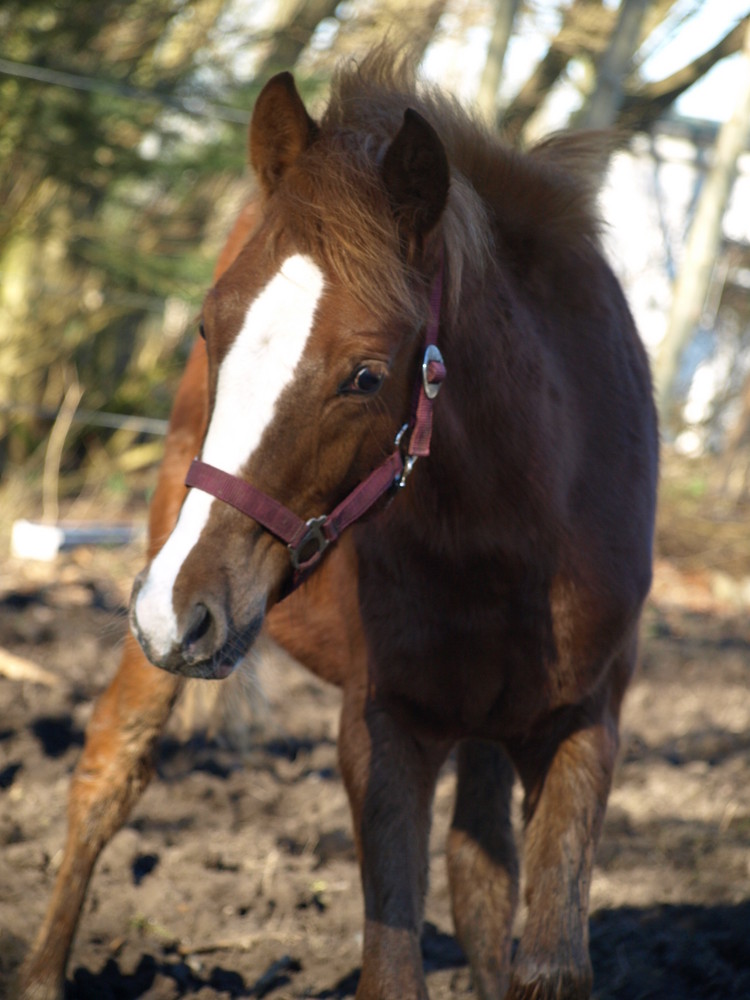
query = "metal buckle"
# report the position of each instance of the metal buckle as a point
(409, 460)
(431, 389)
(313, 535)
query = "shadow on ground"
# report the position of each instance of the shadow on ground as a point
(657, 953)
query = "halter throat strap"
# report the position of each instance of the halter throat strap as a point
(308, 540)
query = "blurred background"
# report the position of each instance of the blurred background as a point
(122, 166)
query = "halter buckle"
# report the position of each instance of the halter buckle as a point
(409, 463)
(311, 546)
(431, 354)
(409, 460)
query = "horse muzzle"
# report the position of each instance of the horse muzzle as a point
(200, 639)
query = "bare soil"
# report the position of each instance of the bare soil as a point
(235, 875)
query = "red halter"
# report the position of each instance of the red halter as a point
(308, 540)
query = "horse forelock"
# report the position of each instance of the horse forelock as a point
(335, 204)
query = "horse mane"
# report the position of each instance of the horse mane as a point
(533, 204)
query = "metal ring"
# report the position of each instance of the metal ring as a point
(314, 534)
(431, 389)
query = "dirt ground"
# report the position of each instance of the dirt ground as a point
(235, 875)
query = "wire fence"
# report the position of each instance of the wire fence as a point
(195, 105)
(93, 418)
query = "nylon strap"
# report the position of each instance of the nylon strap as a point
(307, 540)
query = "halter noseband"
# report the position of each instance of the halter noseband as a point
(308, 540)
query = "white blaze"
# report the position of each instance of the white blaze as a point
(252, 376)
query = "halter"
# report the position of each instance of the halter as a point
(308, 540)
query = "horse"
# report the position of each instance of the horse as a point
(427, 465)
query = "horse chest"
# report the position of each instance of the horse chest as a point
(466, 657)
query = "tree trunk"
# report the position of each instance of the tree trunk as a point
(422, 34)
(585, 24)
(704, 238)
(609, 87)
(294, 33)
(647, 102)
(505, 15)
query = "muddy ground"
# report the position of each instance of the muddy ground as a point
(235, 875)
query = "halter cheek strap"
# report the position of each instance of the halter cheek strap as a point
(308, 540)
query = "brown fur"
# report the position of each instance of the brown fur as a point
(494, 605)
(546, 196)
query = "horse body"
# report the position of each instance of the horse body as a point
(491, 604)
(519, 588)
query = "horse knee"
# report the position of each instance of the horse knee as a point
(116, 762)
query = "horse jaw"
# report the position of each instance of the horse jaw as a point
(170, 600)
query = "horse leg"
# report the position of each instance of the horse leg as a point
(390, 778)
(113, 770)
(482, 864)
(567, 778)
(116, 762)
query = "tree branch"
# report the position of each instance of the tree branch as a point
(586, 27)
(642, 107)
(291, 39)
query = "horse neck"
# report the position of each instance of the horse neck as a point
(485, 476)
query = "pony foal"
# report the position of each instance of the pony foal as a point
(492, 605)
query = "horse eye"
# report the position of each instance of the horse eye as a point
(365, 381)
(202, 331)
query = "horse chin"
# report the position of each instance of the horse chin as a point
(224, 661)
(215, 669)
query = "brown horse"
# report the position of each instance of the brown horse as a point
(493, 604)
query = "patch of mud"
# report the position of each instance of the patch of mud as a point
(235, 875)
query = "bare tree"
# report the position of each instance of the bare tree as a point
(644, 103)
(588, 30)
(705, 235)
(297, 22)
(502, 29)
(608, 92)
(368, 22)
(585, 29)
(423, 31)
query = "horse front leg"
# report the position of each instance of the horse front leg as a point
(390, 778)
(116, 763)
(566, 788)
(114, 768)
(483, 865)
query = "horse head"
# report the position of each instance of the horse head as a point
(312, 338)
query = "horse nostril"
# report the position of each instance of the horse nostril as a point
(201, 622)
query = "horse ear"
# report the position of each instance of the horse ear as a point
(280, 130)
(416, 174)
